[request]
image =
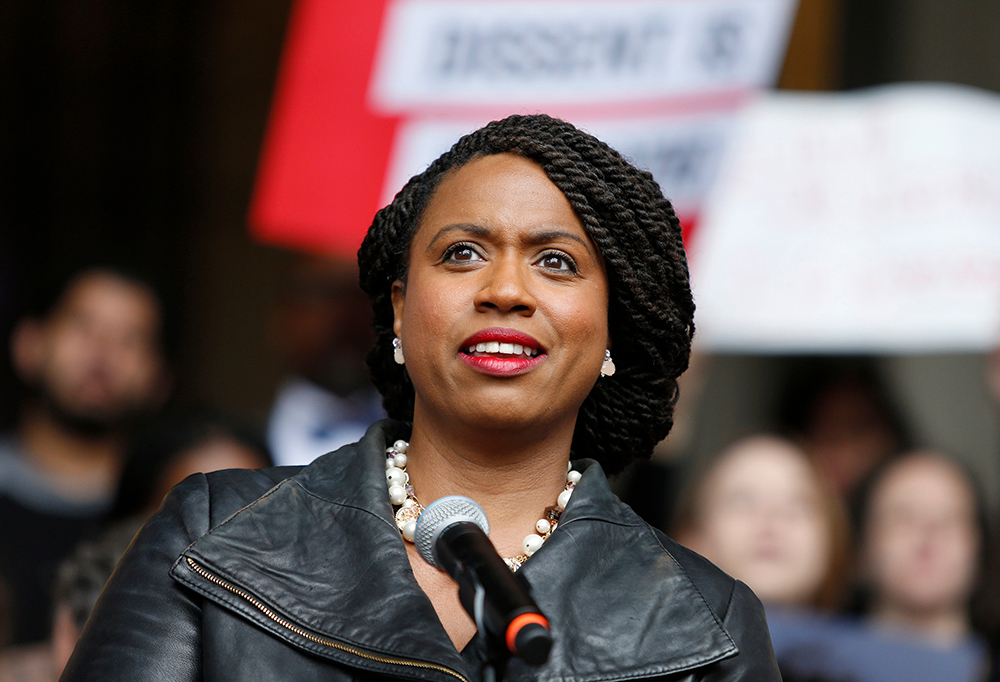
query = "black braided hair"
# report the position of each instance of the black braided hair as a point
(650, 310)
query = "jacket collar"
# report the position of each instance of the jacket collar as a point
(321, 551)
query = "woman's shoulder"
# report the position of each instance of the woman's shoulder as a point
(222, 493)
(717, 587)
(205, 500)
(738, 610)
(247, 483)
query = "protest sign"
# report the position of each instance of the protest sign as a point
(370, 92)
(856, 222)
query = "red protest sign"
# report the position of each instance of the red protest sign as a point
(325, 152)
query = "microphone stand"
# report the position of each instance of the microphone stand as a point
(473, 598)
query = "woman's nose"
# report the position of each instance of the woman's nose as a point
(506, 288)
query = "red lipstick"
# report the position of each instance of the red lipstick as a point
(501, 352)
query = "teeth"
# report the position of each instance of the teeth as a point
(504, 348)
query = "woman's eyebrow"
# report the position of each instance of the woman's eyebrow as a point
(468, 228)
(545, 236)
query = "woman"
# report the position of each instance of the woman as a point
(922, 564)
(761, 512)
(502, 278)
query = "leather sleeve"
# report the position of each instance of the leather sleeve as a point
(745, 621)
(145, 626)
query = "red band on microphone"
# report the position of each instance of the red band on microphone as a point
(518, 623)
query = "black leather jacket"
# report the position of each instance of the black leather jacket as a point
(301, 574)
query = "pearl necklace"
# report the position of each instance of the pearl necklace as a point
(409, 509)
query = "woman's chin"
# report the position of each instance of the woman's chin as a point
(507, 421)
(504, 418)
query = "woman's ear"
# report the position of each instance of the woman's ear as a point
(398, 298)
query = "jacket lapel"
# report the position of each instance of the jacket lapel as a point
(620, 605)
(322, 552)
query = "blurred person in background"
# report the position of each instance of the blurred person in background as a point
(79, 582)
(323, 325)
(173, 447)
(166, 451)
(921, 558)
(842, 415)
(90, 359)
(762, 513)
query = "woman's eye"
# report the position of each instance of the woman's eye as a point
(557, 261)
(464, 253)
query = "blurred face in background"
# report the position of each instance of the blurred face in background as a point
(761, 518)
(96, 358)
(922, 539)
(213, 454)
(323, 323)
(849, 434)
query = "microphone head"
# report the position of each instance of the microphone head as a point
(440, 514)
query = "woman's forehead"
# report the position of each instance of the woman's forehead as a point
(499, 190)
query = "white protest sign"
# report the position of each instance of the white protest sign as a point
(858, 222)
(659, 81)
(445, 53)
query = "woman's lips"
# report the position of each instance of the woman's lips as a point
(500, 351)
(499, 366)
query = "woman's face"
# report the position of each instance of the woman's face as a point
(922, 537)
(762, 521)
(503, 317)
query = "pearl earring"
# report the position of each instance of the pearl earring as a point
(608, 368)
(397, 351)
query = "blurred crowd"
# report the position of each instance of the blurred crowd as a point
(98, 442)
(870, 552)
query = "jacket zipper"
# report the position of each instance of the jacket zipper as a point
(313, 638)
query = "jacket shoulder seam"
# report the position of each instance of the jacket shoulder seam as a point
(337, 503)
(697, 589)
(228, 519)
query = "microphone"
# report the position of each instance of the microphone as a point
(451, 535)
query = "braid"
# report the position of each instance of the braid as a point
(650, 310)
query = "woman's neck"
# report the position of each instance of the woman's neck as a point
(83, 469)
(944, 626)
(512, 476)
